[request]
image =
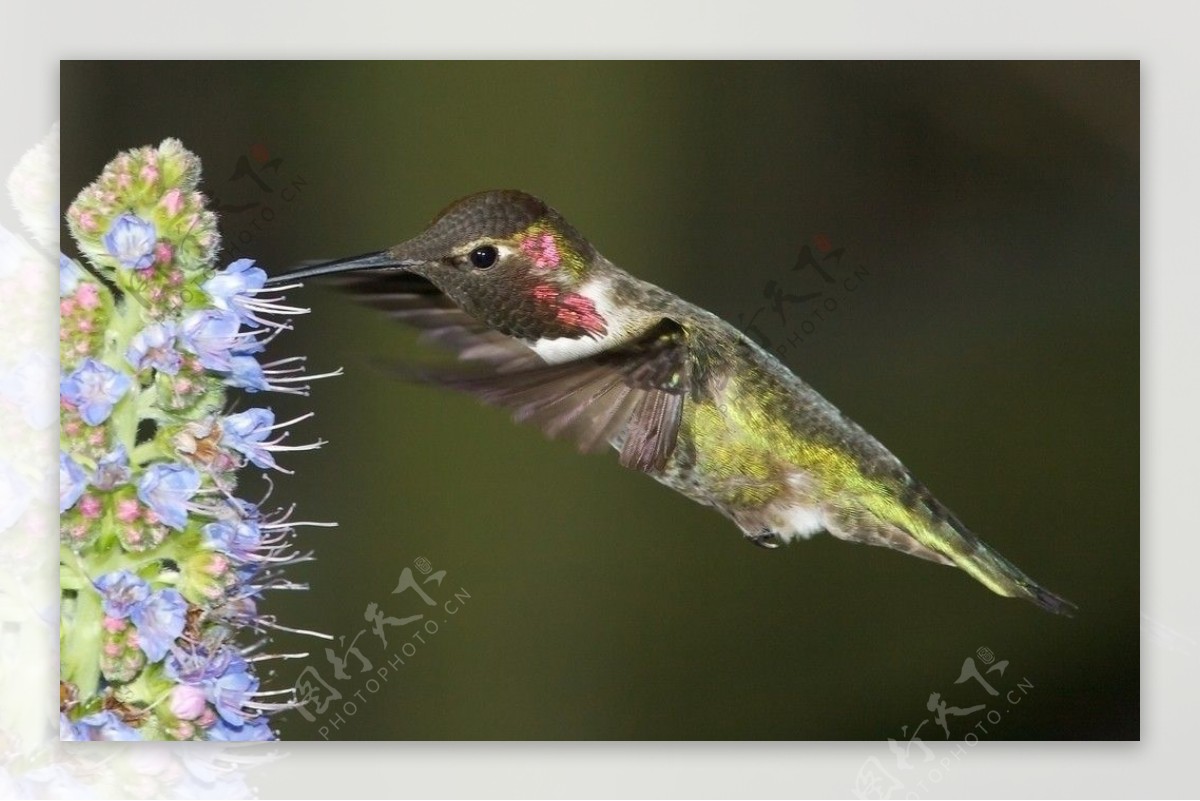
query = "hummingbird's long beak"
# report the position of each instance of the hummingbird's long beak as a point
(369, 261)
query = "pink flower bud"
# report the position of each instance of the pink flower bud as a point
(172, 202)
(187, 702)
(217, 565)
(88, 295)
(127, 510)
(89, 506)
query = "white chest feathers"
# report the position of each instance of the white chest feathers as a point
(620, 325)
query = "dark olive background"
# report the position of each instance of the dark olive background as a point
(992, 345)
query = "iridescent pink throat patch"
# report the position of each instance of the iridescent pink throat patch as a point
(572, 309)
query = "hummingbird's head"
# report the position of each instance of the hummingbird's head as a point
(504, 257)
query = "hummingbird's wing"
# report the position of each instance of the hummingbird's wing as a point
(630, 396)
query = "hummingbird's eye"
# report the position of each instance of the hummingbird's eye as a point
(484, 256)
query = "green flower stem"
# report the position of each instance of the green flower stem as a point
(82, 641)
(127, 320)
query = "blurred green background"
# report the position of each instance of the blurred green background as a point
(990, 210)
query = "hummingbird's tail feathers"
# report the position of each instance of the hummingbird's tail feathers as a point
(855, 524)
(1051, 602)
(988, 567)
(935, 527)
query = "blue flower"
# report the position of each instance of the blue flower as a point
(239, 540)
(237, 288)
(123, 592)
(246, 431)
(230, 691)
(69, 274)
(197, 666)
(251, 730)
(154, 346)
(106, 725)
(228, 287)
(225, 677)
(131, 240)
(159, 621)
(242, 508)
(112, 469)
(69, 732)
(94, 388)
(71, 482)
(246, 373)
(212, 334)
(166, 489)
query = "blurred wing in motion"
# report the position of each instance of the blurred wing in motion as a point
(630, 396)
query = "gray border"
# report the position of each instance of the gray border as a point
(1160, 764)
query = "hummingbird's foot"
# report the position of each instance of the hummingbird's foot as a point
(765, 539)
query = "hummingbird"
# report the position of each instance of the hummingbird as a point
(547, 328)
